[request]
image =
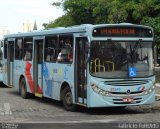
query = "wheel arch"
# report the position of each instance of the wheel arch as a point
(63, 86)
(23, 88)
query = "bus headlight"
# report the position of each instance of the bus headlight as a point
(99, 90)
(149, 90)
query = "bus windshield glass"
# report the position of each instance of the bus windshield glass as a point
(112, 59)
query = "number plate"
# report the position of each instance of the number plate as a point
(127, 99)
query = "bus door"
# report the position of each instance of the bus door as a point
(80, 70)
(38, 62)
(10, 62)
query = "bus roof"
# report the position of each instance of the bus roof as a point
(71, 29)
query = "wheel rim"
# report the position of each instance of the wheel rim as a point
(68, 98)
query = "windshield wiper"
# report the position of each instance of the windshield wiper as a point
(133, 51)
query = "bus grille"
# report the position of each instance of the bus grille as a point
(126, 82)
(124, 93)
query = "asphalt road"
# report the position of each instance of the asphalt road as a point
(35, 111)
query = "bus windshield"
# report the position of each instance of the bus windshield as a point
(111, 59)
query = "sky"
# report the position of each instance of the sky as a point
(14, 13)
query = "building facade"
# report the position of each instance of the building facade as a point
(29, 26)
(3, 31)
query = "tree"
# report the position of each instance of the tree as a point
(108, 11)
(63, 21)
(146, 12)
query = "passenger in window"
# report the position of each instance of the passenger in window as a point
(67, 44)
(61, 44)
(27, 56)
(63, 56)
(145, 59)
(59, 58)
(49, 56)
(71, 56)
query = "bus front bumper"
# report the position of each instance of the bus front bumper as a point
(96, 100)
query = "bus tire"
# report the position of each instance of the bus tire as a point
(67, 99)
(23, 89)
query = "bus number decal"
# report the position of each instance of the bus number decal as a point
(115, 89)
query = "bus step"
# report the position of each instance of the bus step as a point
(38, 94)
(81, 104)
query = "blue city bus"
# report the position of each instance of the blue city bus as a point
(105, 65)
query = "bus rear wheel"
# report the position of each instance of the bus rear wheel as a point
(67, 99)
(23, 89)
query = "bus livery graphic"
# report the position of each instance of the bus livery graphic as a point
(29, 76)
(141, 88)
(47, 80)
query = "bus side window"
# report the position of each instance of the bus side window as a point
(50, 55)
(18, 49)
(28, 46)
(5, 48)
(27, 56)
(50, 48)
(65, 49)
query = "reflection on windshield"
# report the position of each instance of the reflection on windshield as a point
(112, 59)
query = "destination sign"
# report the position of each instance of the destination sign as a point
(122, 31)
